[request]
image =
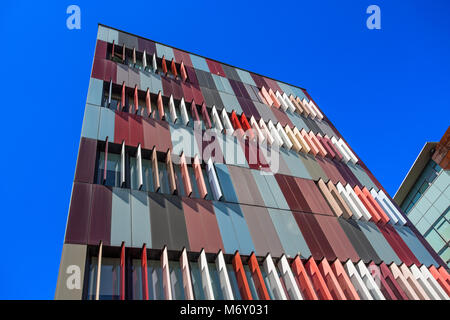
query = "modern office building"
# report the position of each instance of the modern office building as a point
(199, 180)
(424, 195)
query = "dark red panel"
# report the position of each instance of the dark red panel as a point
(167, 86)
(273, 85)
(314, 198)
(187, 91)
(191, 75)
(400, 247)
(100, 49)
(164, 138)
(314, 236)
(292, 193)
(99, 68)
(331, 170)
(197, 93)
(259, 81)
(385, 287)
(181, 56)
(136, 132)
(121, 130)
(149, 133)
(347, 174)
(79, 214)
(177, 90)
(337, 238)
(100, 221)
(282, 117)
(201, 224)
(148, 46)
(86, 160)
(211, 66)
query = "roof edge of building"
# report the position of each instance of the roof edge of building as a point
(199, 55)
(414, 172)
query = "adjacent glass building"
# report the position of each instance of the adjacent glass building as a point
(196, 179)
(424, 195)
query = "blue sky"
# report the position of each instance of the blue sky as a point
(386, 91)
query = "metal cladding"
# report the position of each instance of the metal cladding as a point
(199, 180)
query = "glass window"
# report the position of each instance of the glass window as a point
(147, 176)
(179, 180)
(215, 281)
(155, 280)
(197, 282)
(208, 186)
(176, 280)
(233, 282)
(251, 283)
(163, 177)
(266, 281)
(109, 279)
(113, 169)
(137, 278)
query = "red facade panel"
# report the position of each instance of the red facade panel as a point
(79, 214)
(201, 224)
(100, 220)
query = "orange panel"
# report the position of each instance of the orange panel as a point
(444, 274)
(276, 103)
(311, 145)
(159, 102)
(344, 281)
(123, 97)
(185, 175)
(319, 283)
(238, 267)
(148, 104)
(331, 281)
(440, 279)
(164, 65)
(183, 71)
(319, 146)
(303, 281)
(155, 169)
(370, 208)
(257, 278)
(246, 126)
(136, 99)
(376, 206)
(144, 273)
(266, 96)
(199, 177)
(173, 68)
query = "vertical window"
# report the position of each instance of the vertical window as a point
(109, 279)
(215, 281)
(266, 282)
(251, 283)
(112, 169)
(176, 281)
(155, 280)
(233, 282)
(163, 177)
(136, 278)
(197, 282)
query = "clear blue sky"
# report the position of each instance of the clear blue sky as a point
(387, 92)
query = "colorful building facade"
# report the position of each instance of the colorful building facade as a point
(199, 180)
